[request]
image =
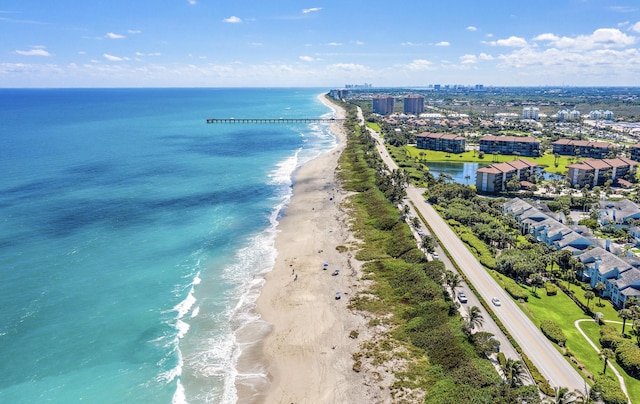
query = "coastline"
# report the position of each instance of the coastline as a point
(307, 347)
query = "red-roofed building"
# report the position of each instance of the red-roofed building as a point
(508, 145)
(493, 178)
(596, 172)
(441, 142)
(584, 148)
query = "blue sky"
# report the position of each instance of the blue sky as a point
(318, 43)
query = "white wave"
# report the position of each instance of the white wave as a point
(179, 396)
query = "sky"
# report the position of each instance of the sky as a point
(318, 43)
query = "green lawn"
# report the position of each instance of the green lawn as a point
(547, 160)
(561, 309)
(374, 126)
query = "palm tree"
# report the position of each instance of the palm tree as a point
(514, 373)
(453, 280)
(473, 319)
(625, 314)
(600, 287)
(564, 396)
(606, 354)
(589, 295)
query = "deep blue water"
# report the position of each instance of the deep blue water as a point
(132, 235)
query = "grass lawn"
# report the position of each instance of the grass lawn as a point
(561, 309)
(633, 385)
(547, 160)
(374, 126)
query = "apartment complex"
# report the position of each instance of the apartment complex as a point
(494, 178)
(600, 114)
(635, 152)
(413, 104)
(507, 145)
(596, 172)
(531, 113)
(583, 148)
(565, 115)
(441, 142)
(620, 275)
(383, 104)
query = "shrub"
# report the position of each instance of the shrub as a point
(515, 290)
(610, 337)
(608, 390)
(628, 356)
(552, 289)
(552, 331)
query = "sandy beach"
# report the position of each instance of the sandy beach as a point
(308, 350)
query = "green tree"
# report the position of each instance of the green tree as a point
(606, 354)
(514, 372)
(600, 287)
(453, 280)
(625, 314)
(472, 320)
(589, 295)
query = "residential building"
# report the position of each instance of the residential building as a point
(583, 148)
(441, 142)
(531, 113)
(635, 152)
(618, 212)
(600, 114)
(494, 178)
(596, 172)
(413, 104)
(383, 104)
(620, 275)
(508, 145)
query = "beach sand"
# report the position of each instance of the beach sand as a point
(308, 351)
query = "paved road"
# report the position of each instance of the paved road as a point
(551, 364)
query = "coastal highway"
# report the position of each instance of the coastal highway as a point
(551, 364)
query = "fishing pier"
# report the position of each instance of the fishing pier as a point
(274, 120)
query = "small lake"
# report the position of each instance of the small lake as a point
(458, 171)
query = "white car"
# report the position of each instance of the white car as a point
(496, 301)
(435, 256)
(462, 297)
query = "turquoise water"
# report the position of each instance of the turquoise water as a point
(134, 236)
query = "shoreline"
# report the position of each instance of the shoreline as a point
(306, 350)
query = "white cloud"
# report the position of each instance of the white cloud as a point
(484, 56)
(468, 59)
(349, 67)
(420, 64)
(443, 43)
(636, 27)
(192, 2)
(512, 41)
(471, 28)
(334, 44)
(410, 44)
(111, 35)
(134, 31)
(359, 43)
(113, 58)
(311, 10)
(233, 20)
(33, 52)
(307, 58)
(600, 38)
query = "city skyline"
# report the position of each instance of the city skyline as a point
(200, 43)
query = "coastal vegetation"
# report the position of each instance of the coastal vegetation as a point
(435, 360)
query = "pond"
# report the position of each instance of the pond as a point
(458, 171)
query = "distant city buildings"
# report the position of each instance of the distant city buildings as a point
(383, 104)
(521, 145)
(596, 172)
(494, 178)
(599, 114)
(565, 115)
(447, 142)
(531, 113)
(635, 152)
(413, 104)
(583, 148)
(339, 94)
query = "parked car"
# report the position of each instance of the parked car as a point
(496, 301)
(435, 256)
(462, 297)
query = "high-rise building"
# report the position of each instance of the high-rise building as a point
(413, 104)
(530, 113)
(383, 104)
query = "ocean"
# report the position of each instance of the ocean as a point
(134, 237)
